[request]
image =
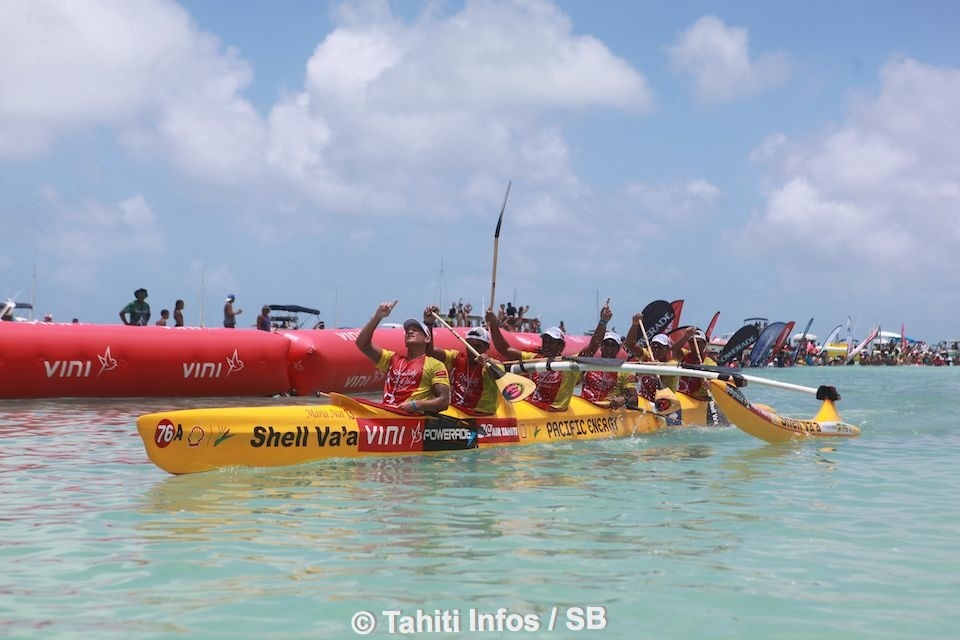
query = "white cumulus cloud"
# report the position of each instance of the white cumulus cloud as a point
(717, 59)
(883, 187)
(140, 68)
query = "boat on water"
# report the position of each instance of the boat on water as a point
(197, 440)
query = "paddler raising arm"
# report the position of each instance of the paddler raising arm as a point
(471, 387)
(415, 382)
(617, 387)
(554, 388)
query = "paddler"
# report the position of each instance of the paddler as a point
(554, 388)
(617, 387)
(471, 388)
(696, 354)
(415, 382)
(660, 349)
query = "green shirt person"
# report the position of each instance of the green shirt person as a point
(138, 310)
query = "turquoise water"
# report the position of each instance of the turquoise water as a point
(687, 534)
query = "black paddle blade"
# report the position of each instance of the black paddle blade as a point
(657, 316)
(745, 337)
(763, 347)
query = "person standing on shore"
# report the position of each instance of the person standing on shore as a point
(415, 382)
(229, 314)
(178, 313)
(138, 310)
(263, 320)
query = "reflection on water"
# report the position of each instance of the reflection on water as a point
(804, 539)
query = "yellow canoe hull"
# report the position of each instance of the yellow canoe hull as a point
(697, 413)
(762, 422)
(196, 440)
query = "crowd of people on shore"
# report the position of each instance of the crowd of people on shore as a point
(509, 316)
(890, 353)
(514, 318)
(137, 313)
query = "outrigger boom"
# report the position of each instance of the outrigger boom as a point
(706, 373)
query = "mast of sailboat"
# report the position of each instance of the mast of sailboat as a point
(203, 295)
(33, 286)
(440, 287)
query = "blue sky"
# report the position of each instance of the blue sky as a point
(752, 158)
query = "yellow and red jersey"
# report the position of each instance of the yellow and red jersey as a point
(470, 387)
(410, 379)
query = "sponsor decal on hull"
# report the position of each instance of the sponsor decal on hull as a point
(303, 436)
(390, 435)
(498, 430)
(584, 427)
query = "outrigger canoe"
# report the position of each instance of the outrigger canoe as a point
(757, 420)
(195, 440)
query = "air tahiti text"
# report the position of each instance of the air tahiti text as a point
(583, 427)
(303, 436)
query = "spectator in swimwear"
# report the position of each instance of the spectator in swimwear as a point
(263, 320)
(502, 315)
(472, 389)
(415, 382)
(178, 313)
(554, 388)
(229, 313)
(519, 321)
(463, 313)
(138, 310)
(164, 317)
(511, 317)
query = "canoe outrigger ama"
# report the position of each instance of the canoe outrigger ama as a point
(757, 420)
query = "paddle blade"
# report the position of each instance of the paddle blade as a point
(738, 342)
(665, 402)
(657, 317)
(513, 387)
